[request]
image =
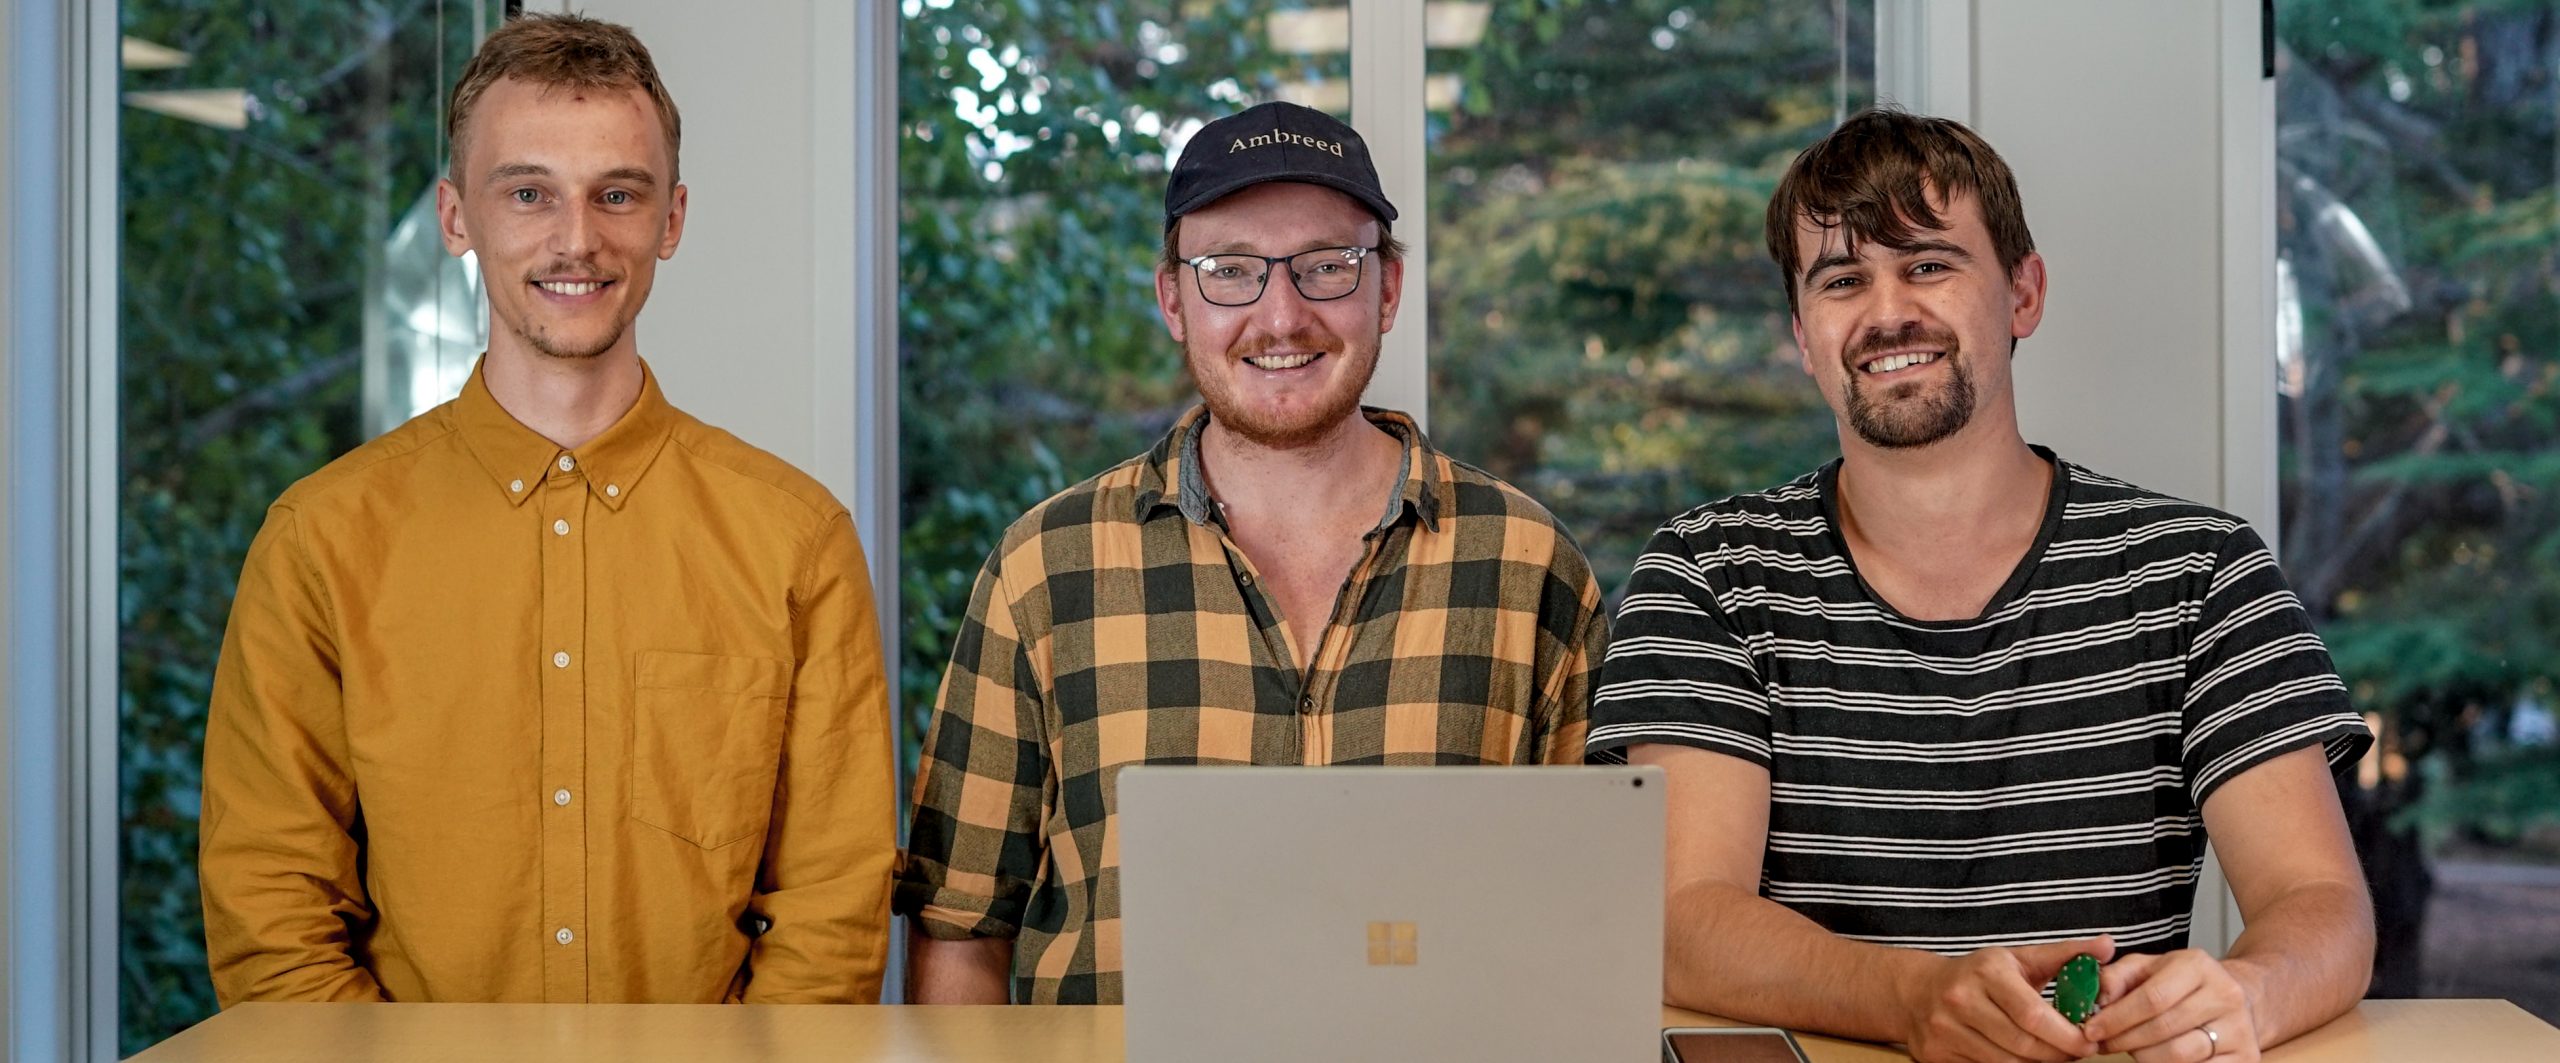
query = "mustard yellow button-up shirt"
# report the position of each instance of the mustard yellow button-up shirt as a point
(499, 721)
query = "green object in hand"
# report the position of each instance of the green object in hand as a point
(2075, 990)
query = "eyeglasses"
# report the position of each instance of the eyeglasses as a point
(1322, 274)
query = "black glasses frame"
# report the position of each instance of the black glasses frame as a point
(1359, 264)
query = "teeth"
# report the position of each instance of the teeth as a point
(560, 288)
(1901, 361)
(1280, 361)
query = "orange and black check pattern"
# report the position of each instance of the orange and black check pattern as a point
(1118, 623)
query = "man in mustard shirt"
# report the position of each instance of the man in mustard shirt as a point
(554, 693)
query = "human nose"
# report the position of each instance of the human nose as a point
(1282, 308)
(575, 236)
(1893, 306)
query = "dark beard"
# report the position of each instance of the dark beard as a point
(1916, 423)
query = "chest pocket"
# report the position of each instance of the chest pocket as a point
(706, 741)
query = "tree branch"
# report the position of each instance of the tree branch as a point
(277, 394)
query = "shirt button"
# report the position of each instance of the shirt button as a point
(559, 527)
(567, 463)
(515, 485)
(1307, 705)
(560, 659)
(1245, 580)
(564, 936)
(560, 797)
(613, 490)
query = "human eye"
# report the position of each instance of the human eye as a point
(618, 198)
(1842, 282)
(527, 196)
(1227, 271)
(1927, 268)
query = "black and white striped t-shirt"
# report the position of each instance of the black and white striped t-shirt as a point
(2030, 775)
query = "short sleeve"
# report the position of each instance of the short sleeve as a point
(2259, 681)
(1676, 672)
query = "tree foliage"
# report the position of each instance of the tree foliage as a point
(2418, 227)
(1605, 330)
(245, 262)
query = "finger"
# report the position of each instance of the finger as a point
(2192, 1014)
(2191, 1048)
(2168, 983)
(2118, 978)
(2028, 1026)
(2041, 962)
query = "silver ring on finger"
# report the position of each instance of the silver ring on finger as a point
(2212, 1041)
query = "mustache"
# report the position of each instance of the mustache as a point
(1911, 334)
(1303, 339)
(574, 269)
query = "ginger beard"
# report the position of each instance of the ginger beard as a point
(1212, 372)
(1907, 414)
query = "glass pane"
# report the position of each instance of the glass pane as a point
(1606, 330)
(272, 155)
(2417, 331)
(1037, 141)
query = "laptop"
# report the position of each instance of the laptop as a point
(1489, 915)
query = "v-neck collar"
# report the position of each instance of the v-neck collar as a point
(1828, 481)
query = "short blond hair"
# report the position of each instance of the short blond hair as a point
(567, 51)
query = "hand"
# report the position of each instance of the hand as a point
(1988, 1006)
(2158, 1007)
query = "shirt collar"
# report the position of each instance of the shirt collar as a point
(1173, 480)
(518, 459)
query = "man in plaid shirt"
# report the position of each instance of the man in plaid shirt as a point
(1286, 578)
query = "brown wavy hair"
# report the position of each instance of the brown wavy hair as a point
(1874, 176)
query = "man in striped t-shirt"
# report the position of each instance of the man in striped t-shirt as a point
(1950, 711)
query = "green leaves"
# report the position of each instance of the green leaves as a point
(2422, 522)
(243, 259)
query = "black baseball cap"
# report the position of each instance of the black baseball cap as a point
(1273, 142)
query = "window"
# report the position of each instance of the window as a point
(276, 276)
(1607, 332)
(1036, 143)
(2420, 402)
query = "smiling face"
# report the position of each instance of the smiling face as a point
(568, 197)
(1283, 370)
(1908, 343)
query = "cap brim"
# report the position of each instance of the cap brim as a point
(1376, 203)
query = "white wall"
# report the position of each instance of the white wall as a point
(2120, 169)
(750, 325)
(2127, 125)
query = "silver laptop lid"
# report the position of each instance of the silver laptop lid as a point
(1391, 914)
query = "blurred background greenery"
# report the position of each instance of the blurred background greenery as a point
(2419, 349)
(1605, 332)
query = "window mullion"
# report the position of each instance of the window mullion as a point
(1387, 59)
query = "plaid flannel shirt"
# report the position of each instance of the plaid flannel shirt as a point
(1117, 623)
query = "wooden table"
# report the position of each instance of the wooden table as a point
(2381, 1031)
